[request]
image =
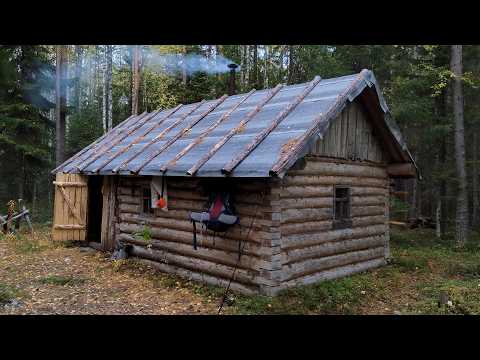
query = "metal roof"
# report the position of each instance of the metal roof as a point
(258, 134)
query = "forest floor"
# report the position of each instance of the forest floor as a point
(425, 276)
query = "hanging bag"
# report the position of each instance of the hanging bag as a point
(219, 217)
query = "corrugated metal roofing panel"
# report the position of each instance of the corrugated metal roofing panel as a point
(134, 142)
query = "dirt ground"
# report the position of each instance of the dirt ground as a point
(44, 278)
(425, 276)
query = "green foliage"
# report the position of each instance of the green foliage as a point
(422, 269)
(7, 293)
(145, 234)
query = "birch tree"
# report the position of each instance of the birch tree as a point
(135, 78)
(107, 90)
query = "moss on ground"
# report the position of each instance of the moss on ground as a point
(426, 276)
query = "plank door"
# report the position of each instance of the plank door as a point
(70, 208)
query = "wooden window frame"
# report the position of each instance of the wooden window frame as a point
(151, 210)
(342, 222)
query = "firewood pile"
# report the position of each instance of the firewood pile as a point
(415, 223)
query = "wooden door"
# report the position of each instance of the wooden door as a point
(70, 209)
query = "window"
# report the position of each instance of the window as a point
(147, 201)
(341, 208)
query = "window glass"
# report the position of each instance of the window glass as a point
(147, 201)
(341, 215)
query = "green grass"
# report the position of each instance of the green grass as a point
(25, 243)
(8, 293)
(422, 268)
(61, 280)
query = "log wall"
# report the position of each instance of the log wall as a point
(171, 249)
(311, 249)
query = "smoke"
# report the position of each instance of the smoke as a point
(190, 63)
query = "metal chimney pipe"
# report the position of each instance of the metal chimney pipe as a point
(231, 81)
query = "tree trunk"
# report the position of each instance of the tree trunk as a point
(438, 212)
(104, 91)
(109, 87)
(34, 198)
(78, 75)
(243, 64)
(61, 101)
(107, 90)
(184, 67)
(265, 76)
(475, 199)
(291, 57)
(135, 78)
(462, 205)
(247, 66)
(254, 77)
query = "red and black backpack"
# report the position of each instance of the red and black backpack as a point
(219, 217)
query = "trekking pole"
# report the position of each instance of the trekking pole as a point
(240, 253)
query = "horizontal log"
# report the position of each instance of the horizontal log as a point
(368, 191)
(128, 199)
(69, 227)
(335, 273)
(129, 208)
(304, 240)
(70, 184)
(252, 245)
(305, 227)
(323, 159)
(369, 220)
(199, 277)
(300, 180)
(332, 248)
(311, 266)
(248, 261)
(303, 215)
(307, 203)
(405, 170)
(125, 195)
(368, 200)
(129, 191)
(242, 209)
(294, 192)
(245, 220)
(245, 277)
(338, 169)
(367, 210)
(240, 231)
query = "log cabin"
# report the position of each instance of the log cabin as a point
(308, 167)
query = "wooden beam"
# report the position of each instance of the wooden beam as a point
(138, 138)
(200, 138)
(401, 170)
(180, 134)
(227, 169)
(158, 137)
(64, 183)
(234, 131)
(69, 227)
